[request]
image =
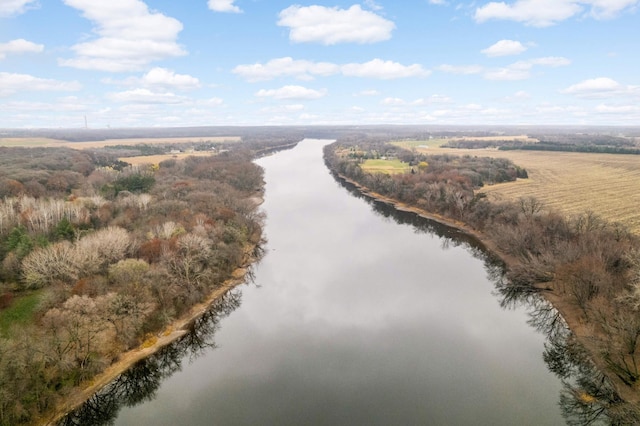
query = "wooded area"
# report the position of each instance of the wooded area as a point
(592, 265)
(109, 255)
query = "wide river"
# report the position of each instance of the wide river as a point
(356, 316)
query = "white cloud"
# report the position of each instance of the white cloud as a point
(438, 2)
(291, 92)
(537, 13)
(280, 109)
(606, 9)
(384, 70)
(146, 96)
(393, 101)
(601, 87)
(329, 26)
(287, 66)
(521, 70)
(460, 69)
(11, 83)
(543, 13)
(504, 48)
(130, 36)
(162, 77)
(617, 109)
(368, 92)
(306, 70)
(14, 7)
(19, 46)
(434, 99)
(224, 6)
(371, 4)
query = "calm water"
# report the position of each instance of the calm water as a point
(355, 318)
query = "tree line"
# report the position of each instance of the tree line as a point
(591, 264)
(113, 256)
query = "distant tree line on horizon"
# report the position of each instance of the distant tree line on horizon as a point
(589, 143)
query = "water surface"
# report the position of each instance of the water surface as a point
(359, 317)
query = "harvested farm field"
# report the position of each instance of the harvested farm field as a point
(573, 183)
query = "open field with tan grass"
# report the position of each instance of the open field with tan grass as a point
(26, 142)
(157, 159)
(385, 166)
(573, 183)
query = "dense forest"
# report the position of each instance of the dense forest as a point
(591, 266)
(97, 257)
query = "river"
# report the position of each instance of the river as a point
(356, 316)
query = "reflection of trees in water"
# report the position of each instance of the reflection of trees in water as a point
(587, 396)
(140, 383)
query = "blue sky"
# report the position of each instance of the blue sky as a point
(146, 63)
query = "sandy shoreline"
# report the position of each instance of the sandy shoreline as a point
(172, 333)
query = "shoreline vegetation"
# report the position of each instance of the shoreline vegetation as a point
(604, 321)
(119, 257)
(172, 333)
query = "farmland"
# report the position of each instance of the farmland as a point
(47, 142)
(606, 184)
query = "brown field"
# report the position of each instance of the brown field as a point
(522, 138)
(112, 142)
(573, 183)
(30, 142)
(157, 159)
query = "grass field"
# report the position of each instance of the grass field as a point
(573, 183)
(20, 312)
(385, 166)
(157, 159)
(111, 142)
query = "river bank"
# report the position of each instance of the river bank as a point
(173, 332)
(567, 309)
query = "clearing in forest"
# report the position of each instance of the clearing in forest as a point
(385, 166)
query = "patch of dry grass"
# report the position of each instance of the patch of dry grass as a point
(28, 142)
(573, 183)
(157, 159)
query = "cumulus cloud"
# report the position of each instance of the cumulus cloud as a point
(287, 66)
(460, 69)
(19, 46)
(601, 87)
(504, 48)
(129, 36)
(145, 96)
(543, 13)
(384, 70)
(224, 6)
(521, 70)
(11, 83)
(14, 7)
(292, 92)
(332, 25)
(307, 70)
(162, 77)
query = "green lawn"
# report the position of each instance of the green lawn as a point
(20, 312)
(385, 166)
